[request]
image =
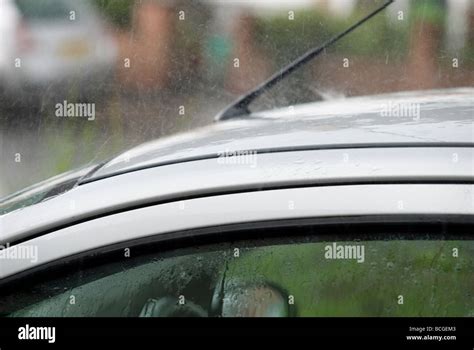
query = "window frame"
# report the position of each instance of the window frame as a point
(170, 220)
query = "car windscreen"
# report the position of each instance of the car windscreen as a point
(42, 191)
(146, 69)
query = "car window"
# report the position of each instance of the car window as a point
(282, 277)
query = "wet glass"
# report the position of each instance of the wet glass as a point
(283, 278)
(129, 72)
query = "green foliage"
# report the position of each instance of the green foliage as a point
(283, 39)
(430, 279)
(119, 12)
(428, 11)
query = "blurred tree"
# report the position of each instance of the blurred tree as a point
(427, 21)
(119, 12)
(283, 39)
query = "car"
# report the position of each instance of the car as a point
(346, 207)
(52, 47)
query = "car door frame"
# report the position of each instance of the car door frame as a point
(218, 214)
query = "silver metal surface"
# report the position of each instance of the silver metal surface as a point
(445, 116)
(224, 175)
(313, 202)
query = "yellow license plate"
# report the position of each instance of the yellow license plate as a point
(74, 49)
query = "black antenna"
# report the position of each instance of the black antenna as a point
(241, 106)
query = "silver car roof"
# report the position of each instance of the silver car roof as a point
(437, 148)
(417, 117)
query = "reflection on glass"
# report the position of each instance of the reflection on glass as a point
(343, 278)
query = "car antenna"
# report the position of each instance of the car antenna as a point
(241, 105)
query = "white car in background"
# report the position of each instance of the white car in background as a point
(52, 46)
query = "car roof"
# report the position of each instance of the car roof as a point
(416, 118)
(302, 154)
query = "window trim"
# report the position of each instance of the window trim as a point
(228, 233)
(217, 211)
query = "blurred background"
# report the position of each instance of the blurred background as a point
(152, 68)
